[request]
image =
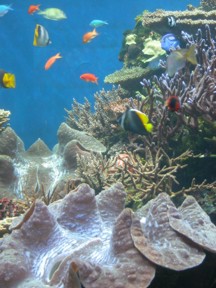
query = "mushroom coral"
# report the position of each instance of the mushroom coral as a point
(95, 242)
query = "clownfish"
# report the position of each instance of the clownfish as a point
(135, 121)
(173, 103)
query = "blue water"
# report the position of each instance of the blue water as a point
(38, 101)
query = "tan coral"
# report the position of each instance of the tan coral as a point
(4, 117)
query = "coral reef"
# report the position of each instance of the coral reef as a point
(208, 5)
(39, 172)
(102, 123)
(188, 21)
(4, 118)
(100, 239)
(128, 78)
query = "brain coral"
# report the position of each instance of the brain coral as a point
(95, 242)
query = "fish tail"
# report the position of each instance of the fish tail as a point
(95, 32)
(191, 55)
(149, 127)
(58, 55)
(96, 81)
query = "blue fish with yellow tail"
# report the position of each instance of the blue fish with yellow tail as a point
(169, 42)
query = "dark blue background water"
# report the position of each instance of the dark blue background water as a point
(37, 104)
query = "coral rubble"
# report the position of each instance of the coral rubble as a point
(100, 239)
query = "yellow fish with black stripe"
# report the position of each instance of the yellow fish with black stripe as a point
(135, 121)
(41, 36)
(7, 80)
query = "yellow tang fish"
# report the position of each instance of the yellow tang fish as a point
(7, 80)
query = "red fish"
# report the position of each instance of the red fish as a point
(88, 77)
(33, 8)
(52, 60)
(173, 103)
(89, 36)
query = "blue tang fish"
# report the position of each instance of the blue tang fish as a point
(169, 42)
(4, 9)
(97, 23)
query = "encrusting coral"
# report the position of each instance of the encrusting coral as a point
(101, 240)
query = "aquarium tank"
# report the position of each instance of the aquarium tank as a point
(108, 144)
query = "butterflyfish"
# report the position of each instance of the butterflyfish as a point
(177, 59)
(7, 80)
(88, 77)
(135, 121)
(41, 36)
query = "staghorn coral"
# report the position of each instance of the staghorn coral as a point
(102, 122)
(102, 241)
(143, 178)
(196, 91)
(4, 118)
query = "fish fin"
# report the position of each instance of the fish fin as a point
(191, 55)
(36, 35)
(175, 61)
(145, 120)
(58, 55)
(143, 117)
(149, 127)
(9, 80)
(95, 32)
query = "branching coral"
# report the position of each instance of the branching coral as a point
(196, 91)
(4, 117)
(143, 178)
(100, 123)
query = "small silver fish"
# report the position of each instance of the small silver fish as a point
(171, 21)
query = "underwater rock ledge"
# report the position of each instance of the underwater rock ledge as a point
(95, 241)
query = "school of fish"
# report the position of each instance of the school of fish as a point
(132, 119)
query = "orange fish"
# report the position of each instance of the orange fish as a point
(88, 77)
(51, 61)
(89, 36)
(33, 8)
(173, 103)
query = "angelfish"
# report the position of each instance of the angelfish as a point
(135, 121)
